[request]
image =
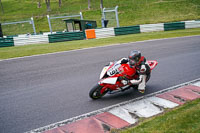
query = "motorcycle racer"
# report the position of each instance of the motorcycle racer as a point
(139, 63)
(121, 75)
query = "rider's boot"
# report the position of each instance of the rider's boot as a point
(142, 85)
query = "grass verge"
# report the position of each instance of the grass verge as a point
(183, 119)
(28, 50)
(130, 12)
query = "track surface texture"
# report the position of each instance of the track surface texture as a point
(40, 90)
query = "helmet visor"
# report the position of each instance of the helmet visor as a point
(132, 62)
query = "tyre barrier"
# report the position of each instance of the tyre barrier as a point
(94, 33)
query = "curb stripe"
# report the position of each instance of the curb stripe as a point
(123, 114)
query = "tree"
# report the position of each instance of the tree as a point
(1, 7)
(60, 3)
(39, 4)
(89, 4)
(101, 5)
(48, 5)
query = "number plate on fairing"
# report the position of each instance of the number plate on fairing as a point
(114, 70)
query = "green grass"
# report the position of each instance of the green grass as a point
(184, 119)
(131, 12)
(27, 50)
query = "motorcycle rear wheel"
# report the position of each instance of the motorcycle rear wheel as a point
(95, 92)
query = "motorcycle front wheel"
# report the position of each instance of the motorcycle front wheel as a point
(95, 92)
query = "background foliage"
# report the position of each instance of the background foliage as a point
(131, 12)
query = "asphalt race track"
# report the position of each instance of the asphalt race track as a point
(40, 90)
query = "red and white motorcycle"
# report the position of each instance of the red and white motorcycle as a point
(112, 75)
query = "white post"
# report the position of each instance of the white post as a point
(104, 16)
(32, 22)
(81, 15)
(49, 21)
(116, 14)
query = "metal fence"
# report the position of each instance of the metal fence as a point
(61, 17)
(31, 21)
(111, 15)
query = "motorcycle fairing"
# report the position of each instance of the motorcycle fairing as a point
(103, 72)
(112, 83)
(110, 80)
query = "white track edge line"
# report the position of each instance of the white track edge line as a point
(70, 120)
(109, 45)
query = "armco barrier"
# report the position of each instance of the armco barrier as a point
(152, 27)
(66, 36)
(174, 26)
(6, 42)
(30, 39)
(192, 24)
(104, 32)
(127, 30)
